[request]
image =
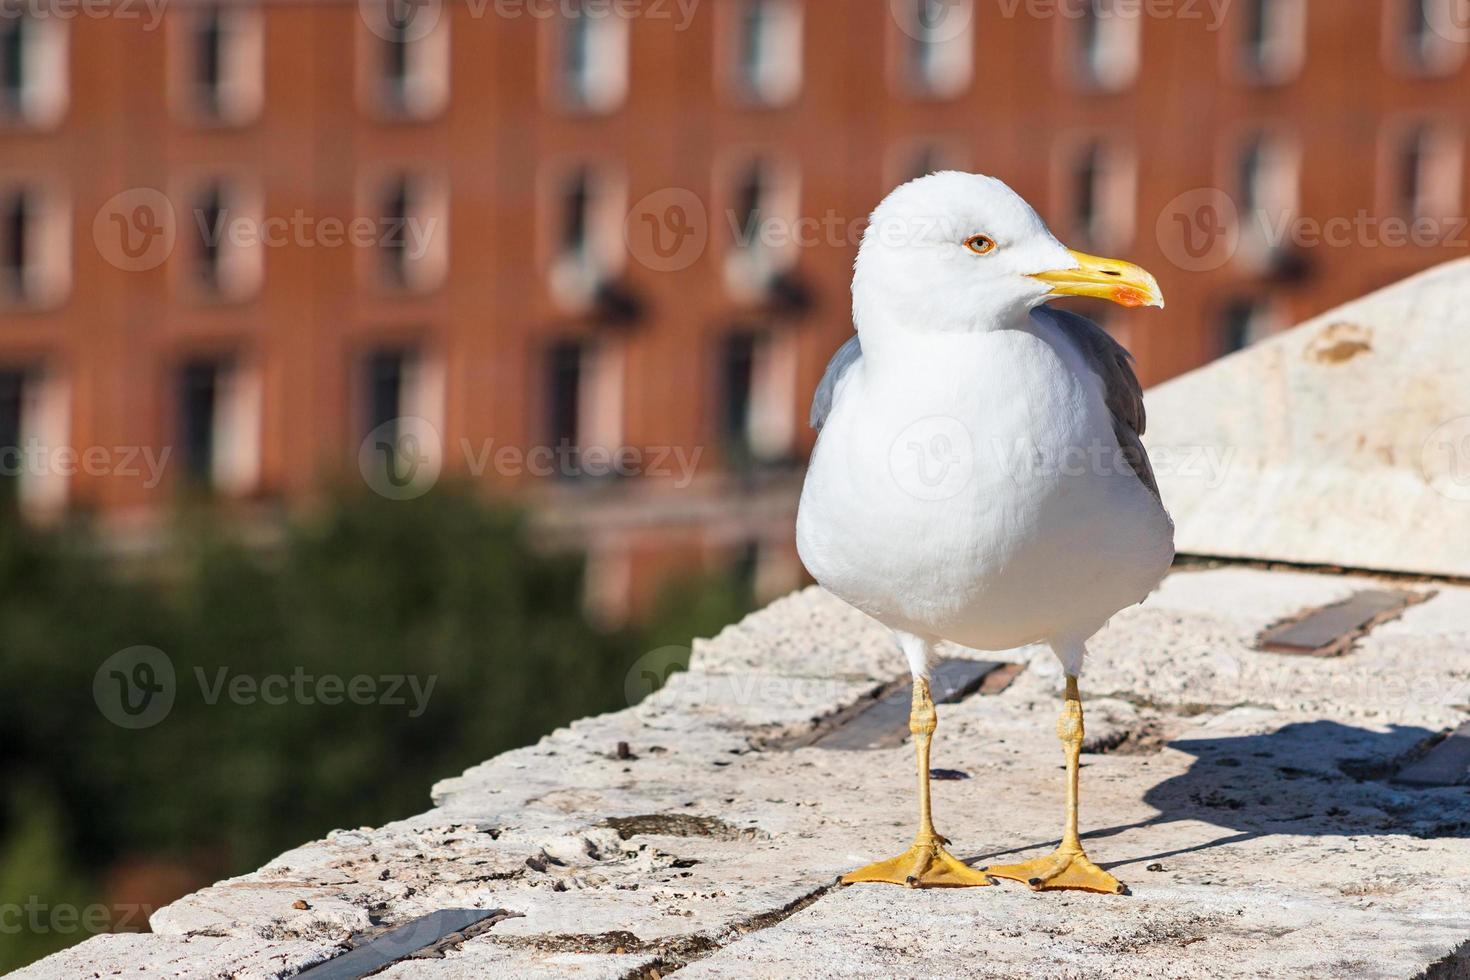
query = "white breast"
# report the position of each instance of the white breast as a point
(967, 486)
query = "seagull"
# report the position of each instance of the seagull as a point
(978, 475)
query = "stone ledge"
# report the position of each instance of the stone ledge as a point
(1242, 795)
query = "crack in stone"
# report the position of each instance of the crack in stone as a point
(681, 825)
(672, 954)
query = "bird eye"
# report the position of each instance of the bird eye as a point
(980, 244)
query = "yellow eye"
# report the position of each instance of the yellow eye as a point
(980, 244)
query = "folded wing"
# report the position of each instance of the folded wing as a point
(847, 355)
(1123, 394)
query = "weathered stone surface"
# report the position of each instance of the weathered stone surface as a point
(480, 958)
(141, 955)
(1242, 795)
(1339, 442)
(1170, 931)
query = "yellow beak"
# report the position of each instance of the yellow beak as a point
(1122, 282)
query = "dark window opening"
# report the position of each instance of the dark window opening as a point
(1412, 161)
(929, 17)
(1252, 171)
(198, 394)
(1419, 33)
(396, 209)
(397, 61)
(1090, 38)
(15, 227)
(564, 368)
(927, 160)
(1257, 32)
(737, 389)
(210, 213)
(1240, 325)
(12, 395)
(1085, 203)
(755, 53)
(577, 57)
(384, 374)
(576, 217)
(209, 68)
(750, 197)
(13, 58)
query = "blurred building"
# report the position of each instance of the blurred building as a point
(598, 252)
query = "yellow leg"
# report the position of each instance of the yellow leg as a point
(927, 864)
(1068, 866)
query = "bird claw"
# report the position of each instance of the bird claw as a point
(1063, 869)
(925, 865)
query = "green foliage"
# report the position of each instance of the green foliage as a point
(444, 603)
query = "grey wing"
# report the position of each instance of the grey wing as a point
(847, 355)
(1121, 390)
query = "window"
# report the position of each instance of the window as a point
(12, 444)
(1426, 172)
(768, 55)
(576, 216)
(411, 213)
(35, 246)
(219, 425)
(764, 567)
(938, 37)
(227, 260)
(1107, 44)
(584, 385)
(758, 395)
(1101, 190)
(592, 58)
(222, 67)
(34, 414)
(1273, 40)
(1267, 187)
(762, 214)
(385, 371)
(911, 159)
(1243, 322)
(586, 234)
(607, 584)
(401, 407)
(405, 59)
(33, 73)
(1430, 35)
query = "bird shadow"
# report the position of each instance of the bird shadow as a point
(1310, 779)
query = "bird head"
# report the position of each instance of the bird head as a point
(960, 252)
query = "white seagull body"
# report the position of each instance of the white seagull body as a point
(969, 487)
(979, 477)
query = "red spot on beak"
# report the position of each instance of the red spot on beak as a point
(1130, 297)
